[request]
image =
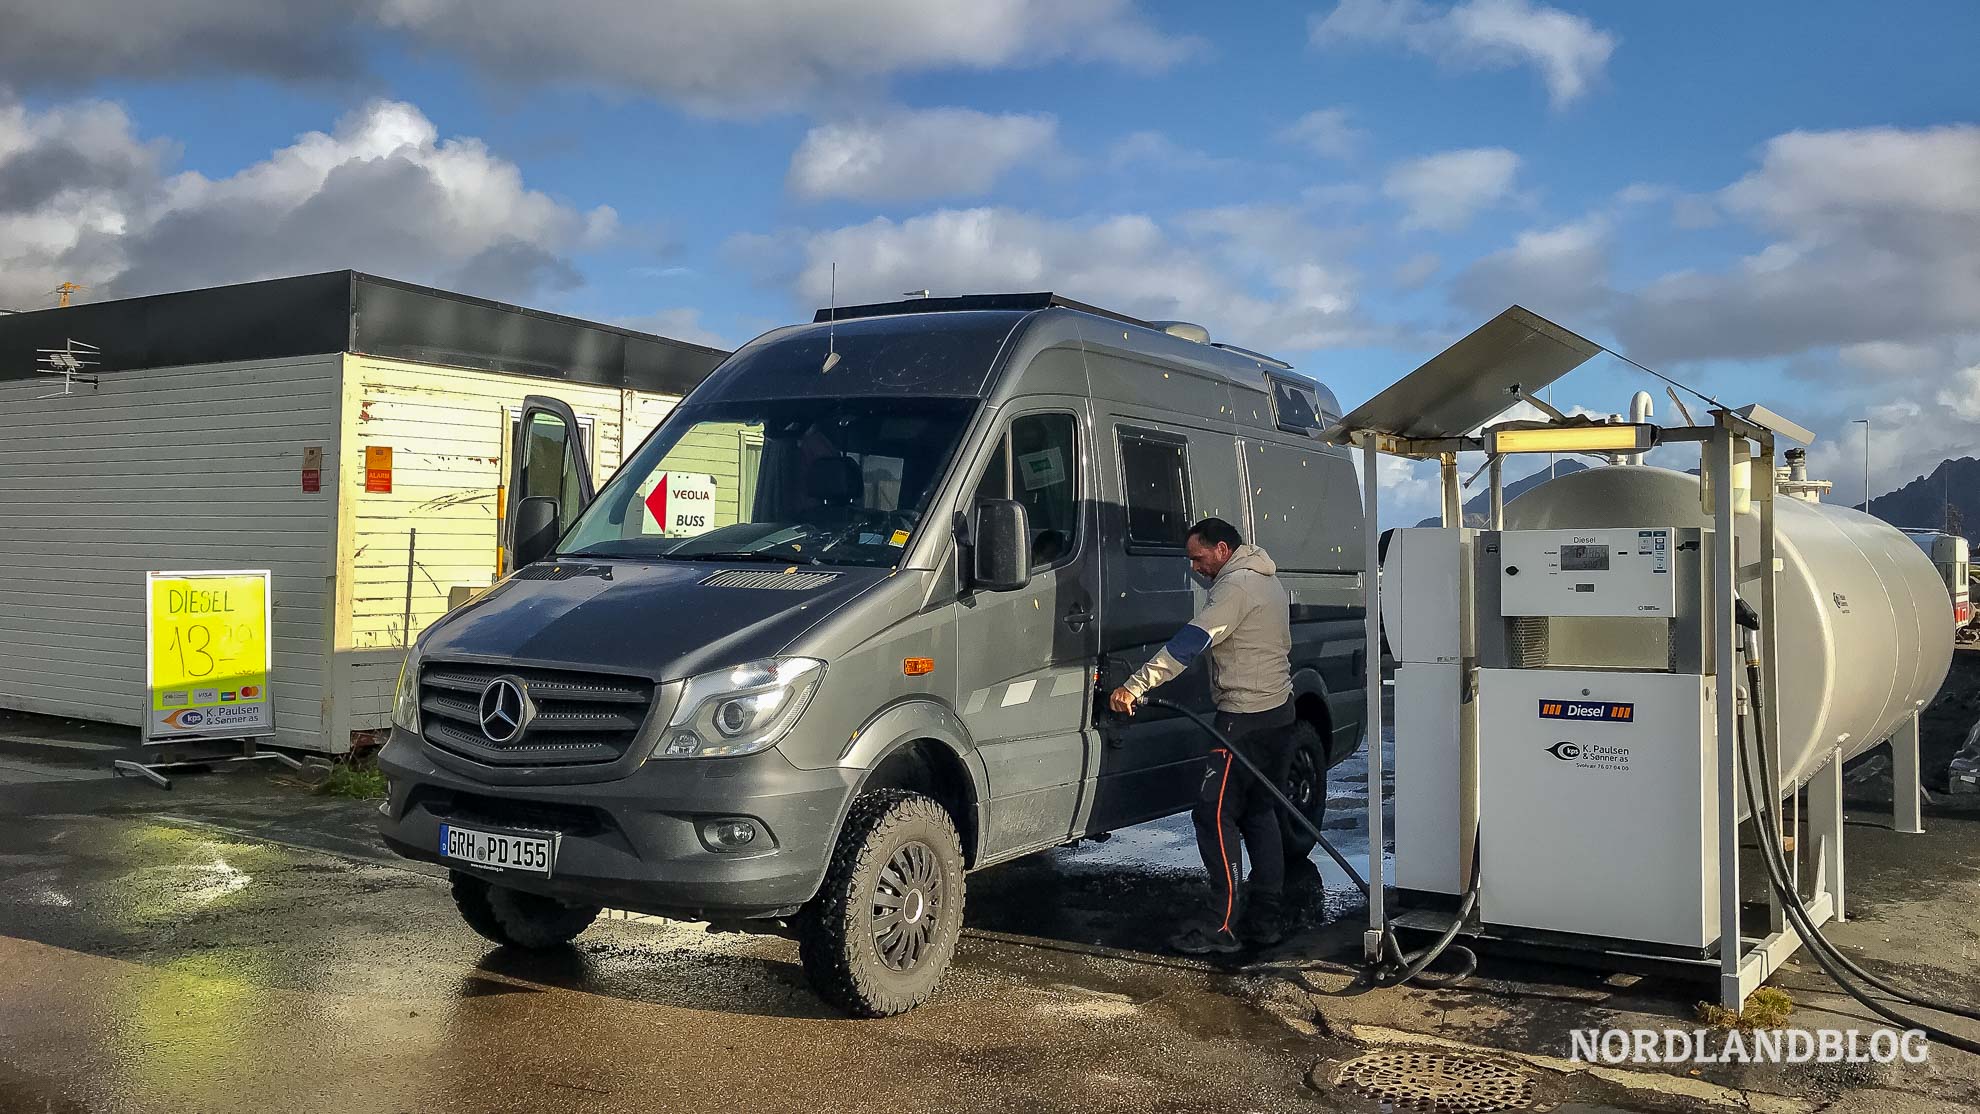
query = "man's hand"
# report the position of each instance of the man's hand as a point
(1122, 701)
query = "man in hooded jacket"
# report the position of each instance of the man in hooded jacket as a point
(1246, 625)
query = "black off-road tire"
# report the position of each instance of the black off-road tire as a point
(517, 919)
(471, 898)
(897, 869)
(1306, 784)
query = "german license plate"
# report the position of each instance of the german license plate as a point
(531, 854)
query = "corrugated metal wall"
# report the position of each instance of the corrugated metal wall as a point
(449, 434)
(194, 467)
(200, 468)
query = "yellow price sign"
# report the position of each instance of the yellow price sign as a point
(207, 656)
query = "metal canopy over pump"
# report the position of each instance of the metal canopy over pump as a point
(1503, 361)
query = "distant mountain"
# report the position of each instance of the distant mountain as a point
(1921, 504)
(1478, 511)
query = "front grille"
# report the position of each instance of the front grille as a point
(460, 807)
(541, 571)
(581, 718)
(779, 581)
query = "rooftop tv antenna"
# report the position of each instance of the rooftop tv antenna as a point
(832, 325)
(68, 362)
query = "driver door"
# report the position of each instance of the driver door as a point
(548, 459)
(1026, 657)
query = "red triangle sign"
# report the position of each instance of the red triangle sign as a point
(656, 502)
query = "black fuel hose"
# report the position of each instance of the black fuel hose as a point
(1769, 776)
(1832, 961)
(1396, 966)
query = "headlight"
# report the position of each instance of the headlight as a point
(741, 710)
(405, 703)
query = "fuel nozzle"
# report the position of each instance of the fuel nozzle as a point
(1748, 621)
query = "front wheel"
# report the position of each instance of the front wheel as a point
(1306, 785)
(883, 928)
(517, 919)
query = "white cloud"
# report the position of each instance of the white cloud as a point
(1875, 233)
(1909, 436)
(1555, 272)
(721, 58)
(1691, 212)
(1217, 267)
(72, 182)
(1897, 360)
(1416, 272)
(1569, 52)
(60, 45)
(724, 58)
(1156, 150)
(906, 156)
(1325, 131)
(382, 192)
(1444, 191)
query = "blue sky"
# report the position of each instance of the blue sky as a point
(1776, 202)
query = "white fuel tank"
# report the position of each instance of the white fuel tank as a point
(1865, 636)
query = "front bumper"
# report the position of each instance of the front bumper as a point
(635, 843)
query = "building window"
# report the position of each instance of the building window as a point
(1155, 477)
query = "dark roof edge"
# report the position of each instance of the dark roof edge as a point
(510, 307)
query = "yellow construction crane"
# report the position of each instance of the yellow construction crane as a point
(63, 291)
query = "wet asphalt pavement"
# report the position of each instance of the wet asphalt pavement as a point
(240, 944)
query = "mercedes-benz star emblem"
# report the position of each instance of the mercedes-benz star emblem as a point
(505, 710)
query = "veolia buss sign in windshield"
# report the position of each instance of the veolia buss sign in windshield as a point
(207, 656)
(683, 503)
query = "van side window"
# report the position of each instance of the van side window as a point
(1155, 475)
(1043, 450)
(1294, 407)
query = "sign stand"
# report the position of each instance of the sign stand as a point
(249, 753)
(208, 654)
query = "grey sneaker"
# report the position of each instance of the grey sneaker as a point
(1206, 940)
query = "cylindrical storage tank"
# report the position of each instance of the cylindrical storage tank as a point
(1865, 636)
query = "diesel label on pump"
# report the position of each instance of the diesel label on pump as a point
(1588, 709)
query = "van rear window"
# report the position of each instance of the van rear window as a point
(1156, 476)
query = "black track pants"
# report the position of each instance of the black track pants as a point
(1230, 804)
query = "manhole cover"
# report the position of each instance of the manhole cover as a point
(1445, 1082)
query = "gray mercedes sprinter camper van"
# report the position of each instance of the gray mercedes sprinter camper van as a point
(832, 636)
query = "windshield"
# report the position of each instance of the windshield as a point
(810, 481)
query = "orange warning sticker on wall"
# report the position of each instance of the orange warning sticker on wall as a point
(378, 468)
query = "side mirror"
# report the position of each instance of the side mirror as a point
(534, 530)
(1000, 559)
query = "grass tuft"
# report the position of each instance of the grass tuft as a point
(1766, 1008)
(356, 778)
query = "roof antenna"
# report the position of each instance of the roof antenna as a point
(832, 324)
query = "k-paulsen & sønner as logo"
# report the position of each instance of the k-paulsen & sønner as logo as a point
(1761, 1046)
(1565, 750)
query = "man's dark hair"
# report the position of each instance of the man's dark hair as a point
(1215, 530)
